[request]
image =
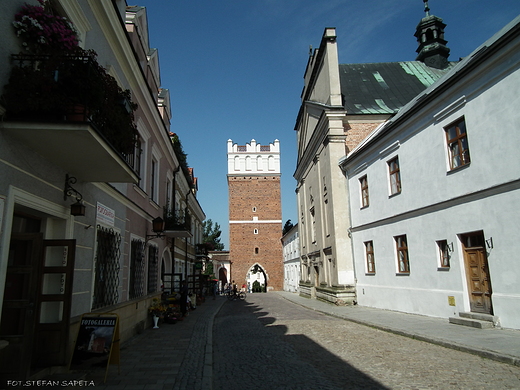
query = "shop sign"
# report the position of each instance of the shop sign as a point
(105, 215)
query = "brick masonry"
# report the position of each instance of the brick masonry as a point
(254, 200)
(357, 132)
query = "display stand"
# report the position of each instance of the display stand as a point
(97, 343)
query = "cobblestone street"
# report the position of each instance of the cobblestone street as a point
(267, 342)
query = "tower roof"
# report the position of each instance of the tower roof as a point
(432, 48)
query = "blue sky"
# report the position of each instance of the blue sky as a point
(235, 68)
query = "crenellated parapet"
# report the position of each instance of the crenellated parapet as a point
(253, 158)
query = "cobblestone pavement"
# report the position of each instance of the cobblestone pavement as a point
(173, 357)
(267, 342)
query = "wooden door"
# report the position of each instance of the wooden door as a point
(36, 306)
(479, 284)
(54, 303)
(19, 305)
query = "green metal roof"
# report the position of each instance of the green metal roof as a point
(383, 88)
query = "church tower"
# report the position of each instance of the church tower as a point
(255, 214)
(432, 48)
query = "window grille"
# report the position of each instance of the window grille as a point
(106, 279)
(153, 268)
(136, 288)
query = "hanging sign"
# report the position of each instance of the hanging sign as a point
(97, 342)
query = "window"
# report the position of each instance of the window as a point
(136, 288)
(403, 261)
(369, 251)
(134, 159)
(153, 268)
(364, 191)
(313, 232)
(270, 163)
(457, 141)
(255, 231)
(106, 268)
(153, 180)
(256, 251)
(395, 176)
(444, 253)
(169, 194)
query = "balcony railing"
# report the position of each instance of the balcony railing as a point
(201, 250)
(177, 223)
(71, 89)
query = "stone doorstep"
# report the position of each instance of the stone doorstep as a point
(475, 320)
(480, 316)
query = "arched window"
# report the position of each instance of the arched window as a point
(270, 163)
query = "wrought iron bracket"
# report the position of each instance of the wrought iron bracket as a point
(69, 190)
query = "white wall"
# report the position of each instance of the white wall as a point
(436, 203)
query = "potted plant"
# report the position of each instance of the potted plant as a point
(157, 310)
(42, 31)
(55, 78)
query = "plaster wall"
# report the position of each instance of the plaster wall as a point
(438, 203)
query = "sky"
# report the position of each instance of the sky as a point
(235, 68)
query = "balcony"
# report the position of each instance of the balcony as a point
(68, 110)
(177, 223)
(201, 250)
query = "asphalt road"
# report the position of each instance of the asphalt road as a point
(267, 342)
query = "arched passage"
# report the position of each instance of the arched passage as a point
(257, 278)
(222, 276)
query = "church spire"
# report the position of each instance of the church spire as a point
(426, 8)
(432, 48)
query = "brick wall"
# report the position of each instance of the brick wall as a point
(357, 132)
(249, 197)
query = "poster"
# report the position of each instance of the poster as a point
(97, 343)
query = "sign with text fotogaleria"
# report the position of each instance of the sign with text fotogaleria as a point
(97, 343)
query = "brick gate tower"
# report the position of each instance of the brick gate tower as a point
(255, 214)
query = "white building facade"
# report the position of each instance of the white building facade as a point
(84, 174)
(435, 194)
(291, 260)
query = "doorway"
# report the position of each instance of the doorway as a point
(477, 272)
(37, 300)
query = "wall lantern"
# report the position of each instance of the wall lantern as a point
(77, 209)
(489, 242)
(449, 246)
(157, 228)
